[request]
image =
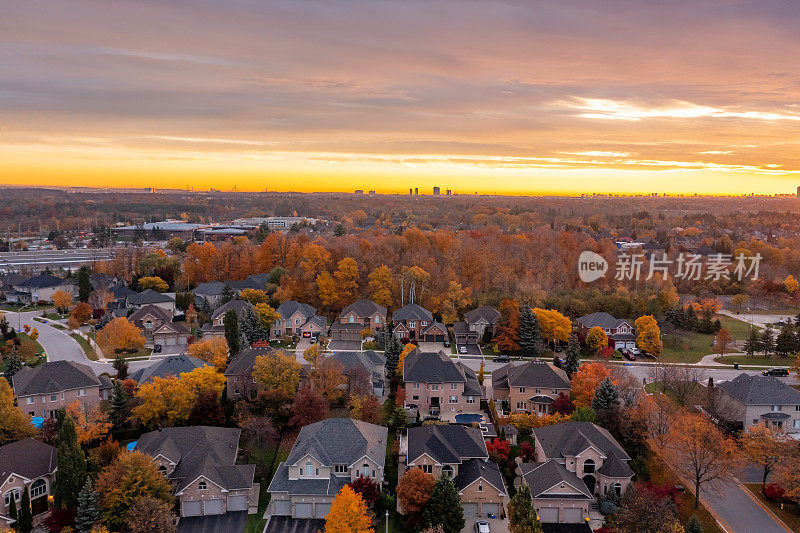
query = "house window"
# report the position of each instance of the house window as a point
(796, 424)
(202, 485)
(522, 405)
(435, 386)
(453, 399)
(309, 469)
(522, 390)
(53, 397)
(618, 489)
(470, 399)
(588, 467)
(538, 391)
(365, 470)
(236, 391)
(81, 392)
(555, 392)
(423, 323)
(416, 397)
(480, 487)
(148, 324)
(755, 421)
(776, 407)
(30, 399)
(13, 493)
(416, 385)
(448, 471)
(428, 469)
(339, 469)
(351, 318)
(296, 321)
(38, 488)
(411, 324)
(453, 386)
(797, 407)
(377, 319)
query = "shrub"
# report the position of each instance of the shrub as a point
(608, 507)
(774, 492)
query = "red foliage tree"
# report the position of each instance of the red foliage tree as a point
(499, 450)
(308, 407)
(563, 404)
(774, 492)
(527, 452)
(367, 488)
(207, 410)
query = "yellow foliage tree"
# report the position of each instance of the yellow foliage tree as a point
(267, 315)
(62, 299)
(348, 513)
(648, 335)
(407, 349)
(528, 421)
(380, 286)
(596, 340)
(169, 401)
(326, 289)
(346, 280)
(119, 334)
(586, 380)
(14, 424)
(91, 425)
(456, 299)
(34, 334)
(213, 350)
(153, 282)
(312, 354)
(254, 296)
(791, 284)
(277, 371)
(554, 325)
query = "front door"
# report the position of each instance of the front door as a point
(435, 402)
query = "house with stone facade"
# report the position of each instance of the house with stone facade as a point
(150, 318)
(439, 386)
(460, 453)
(530, 387)
(754, 400)
(326, 456)
(200, 463)
(410, 321)
(44, 389)
(30, 464)
(365, 313)
(481, 319)
(292, 317)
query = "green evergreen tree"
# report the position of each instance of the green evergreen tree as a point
(784, 341)
(392, 353)
(706, 325)
(691, 323)
(231, 323)
(226, 295)
(119, 403)
(121, 366)
(84, 284)
(71, 469)
(606, 396)
(444, 507)
(753, 342)
(204, 313)
(25, 523)
(88, 508)
(529, 333)
(11, 365)
(13, 514)
(694, 525)
(522, 516)
(572, 360)
(767, 340)
(252, 329)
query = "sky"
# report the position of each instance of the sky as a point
(505, 97)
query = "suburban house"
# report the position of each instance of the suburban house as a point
(314, 328)
(173, 337)
(41, 288)
(410, 321)
(438, 385)
(620, 332)
(174, 365)
(366, 313)
(26, 463)
(239, 374)
(465, 335)
(7, 282)
(460, 453)
(763, 400)
(481, 319)
(216, 328)
(149, 318)
(573, 462)
(151, 297)
(434, 332)
(369, 364)
(200, 463)
(326, 456)
(529, 387)
(293, 316)
(44, 389)
(210, 291)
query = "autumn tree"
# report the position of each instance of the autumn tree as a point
(407, 349)
(254, 296)
(80, 315)
(169, 401)
(91, 425)
(444, 506)
(267, 315)
(308, 407)
(380, 286)
(586, 380)
(367, 488)
(131, 476)
(326, 289)
(522, 517)
(119, 334)
(723, 341)
(790, 284)
(365, 407)
(149, 514)
(346, 277)
(414, 490)
(277, 371)
(455, 301)
(312, 354)
(327, 379)
(414, 279)
(206, 410)
(646, 511)
(348, 513)
(596, 340)
(648, 335)
(508, 327)
(554, 325)
(213, 350)
(153, 282)
(62, 300)
(14, 424)
(765, 446)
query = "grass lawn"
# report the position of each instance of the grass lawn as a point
(16, 308)
(54, 316)
(25, 339)
(255, 522)
(790, 514)
(88, 350)
(686, 348)
(283, 345)
(141, 352)
(756, 360)
(738, 328)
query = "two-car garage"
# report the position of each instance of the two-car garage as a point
(569, 515)
(311, 510)
(473, 509)
(204, 507)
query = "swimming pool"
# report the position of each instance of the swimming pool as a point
(468, 418)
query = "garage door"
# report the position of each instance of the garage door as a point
(321, 510)
(573, 515)
(212, 506)
(237, 503)
(549, 515)
(303, 510)
(470, 509)
(490, 508)
(282, 507)
(192, 508)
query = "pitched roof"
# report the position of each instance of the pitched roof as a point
(200, 451)
(101, 280)
(120, 290)
(244, 361)
(363, 308)
(447, 444)
(210, 288)
(412, 312)
(614, 466)
(28, 457)
(429, 367)
(340, 441)
(149, 296)
(542, 477)
(462, 328)
(11, 279)
(329, 486)
(530, 374)
(242, 284)
(152, 310)
(569, 439)
(170, 327)
(55, 376)
(44, 280)
(760, 390)
(350, 360)
(486, 312)
(239, 306)
(174, 365)
(287, 309)
(600, 319)
(318, 320)
(438, 325)
(474, 469)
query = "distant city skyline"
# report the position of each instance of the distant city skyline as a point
(487, 97)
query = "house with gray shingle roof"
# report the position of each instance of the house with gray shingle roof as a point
(558, 494)
(326, 456)
(356, 317)
(216, 328)
(369, 364)
(763, 400)
(151, 297)
(174, 365)
(44, 389)
(620, 332)
(410, 321)
(30, 464)
(293, 316)
(460, 453)
(478, 320)
(529, 387)
(42, 288)
(437, 385)
(200, 463)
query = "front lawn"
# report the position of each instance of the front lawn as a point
(140, 353)
(759, 360)
(18, 309)
(686, 347)
(738, 328)
(27, 341)
(88, 350)
(789, 512)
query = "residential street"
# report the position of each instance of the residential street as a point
(732, 504)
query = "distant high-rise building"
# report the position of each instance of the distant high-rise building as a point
(449, 192)
(410, 191)
(436, 191)
(359, 191)
(798, 192)
(372, 193)
(416, 191)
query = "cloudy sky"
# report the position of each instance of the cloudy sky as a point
(487, 96)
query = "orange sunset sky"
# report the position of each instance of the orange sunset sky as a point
(516, 97)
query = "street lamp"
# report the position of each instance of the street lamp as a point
(387, 520)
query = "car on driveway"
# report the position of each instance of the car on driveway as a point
(502, 359)
(462, 349)
(627, 354)
(777, 372)
(482, 526)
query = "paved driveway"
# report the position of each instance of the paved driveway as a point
(344, 346)
(433, 347)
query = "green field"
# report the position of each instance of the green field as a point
(686, 347)
(88, 350)
(756, 360)
(739, 329)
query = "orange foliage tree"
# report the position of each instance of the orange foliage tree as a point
(62, 299)
(407, 349)
(508, 327)
(586, 380)
(213, 350)
(414, 489)
(119, 334)
(91, 424)
(348, 513)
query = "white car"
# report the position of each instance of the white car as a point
(482, 526)
(462, 349)
(634, 351)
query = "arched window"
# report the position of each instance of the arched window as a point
(588, 466)
(448, 470)
(38, 488)
(309, 469)
(618, 489)
(202, 486)
(365, 470)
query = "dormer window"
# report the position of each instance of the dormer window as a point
(202, 485)
(309, 468)
(339, 469)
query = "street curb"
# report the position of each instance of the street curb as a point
(767, 509)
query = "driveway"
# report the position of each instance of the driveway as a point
(496, 525)
(434, 347)
(739, 513)
(472, 349)
(344, 346)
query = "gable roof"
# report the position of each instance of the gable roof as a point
(614, 466)
(542, 477)
(351, 360)
(363, 308)
(486, 312)
(153, 310)
(179, 328)
(340, 441)
(241, 284)
(437, 325)
(200, 451)
(210, 288)
(429, 367)
(52, 377)
(29, 458)
(44, 280)
(149, 296)
(760, 390)
(239, 306)
(473, 469)
(569, 439)
(287, 309)
(447, 444)
(245, 360)
(174, 365)
(412, 312)
(540, 374)
(601, 319)
(318, 320)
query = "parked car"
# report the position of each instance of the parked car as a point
(627, 354)
(482, 526)
(634, 351)
(156, 348)
(462, 349)
(777, 372)
(446, 344)
(502, 359)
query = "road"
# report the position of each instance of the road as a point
(738, 512)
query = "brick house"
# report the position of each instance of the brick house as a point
(314, 328)
(460, 453)
(30, 464)
(151, 297)
(465, 335)
(326, 456)
(239, 374)
(410, 321)
(620, 332)
(370, 364)
(365, 314)
(437, 384)
(149, 318)
(482, 318)
(529, 387)
(216, 328)
(200, 463)
(434, 332)
(173, 337)
(765, 400)
(41, 288)
(292, 316)
(43, 390)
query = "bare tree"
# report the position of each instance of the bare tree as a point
(680, 381)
